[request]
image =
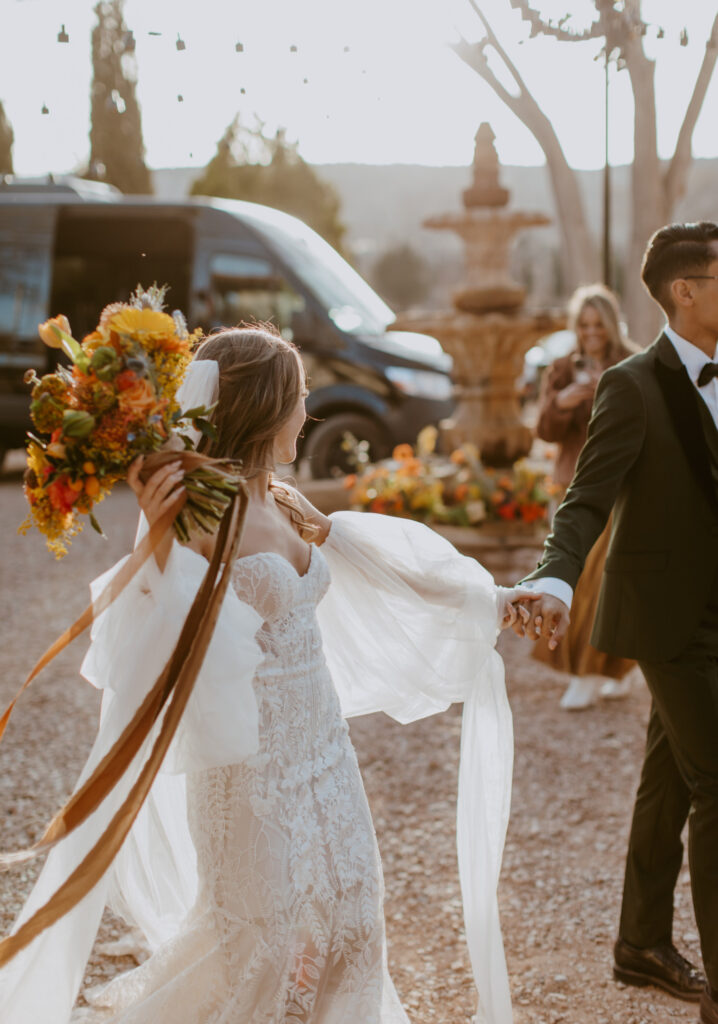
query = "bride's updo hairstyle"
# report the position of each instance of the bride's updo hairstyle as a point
(261, 378)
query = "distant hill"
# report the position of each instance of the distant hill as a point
(384, 206)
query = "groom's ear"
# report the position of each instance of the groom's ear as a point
(682, 292)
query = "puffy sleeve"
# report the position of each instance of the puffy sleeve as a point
(152, 880)
(409, 626)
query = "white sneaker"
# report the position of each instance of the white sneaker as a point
(579, 695)
(615, 689)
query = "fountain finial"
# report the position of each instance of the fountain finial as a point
(486, 190)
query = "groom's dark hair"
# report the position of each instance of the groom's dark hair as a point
(677, 250)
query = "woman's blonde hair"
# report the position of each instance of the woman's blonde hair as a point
(604, 302)
(261, 378)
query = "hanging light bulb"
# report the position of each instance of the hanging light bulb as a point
(684, 37)
(180, 97)
(62, 36)
(180, 44)
(305, 81)
(346, 49)
(243, 91)
(293, 49)
(45, 109)
(128, 41)
(239, 47)
(660, 33)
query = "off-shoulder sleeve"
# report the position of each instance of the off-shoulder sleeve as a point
(409, 626)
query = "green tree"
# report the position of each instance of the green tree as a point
(400, 275)
(265, 169)
(117, 152)
(6, 141)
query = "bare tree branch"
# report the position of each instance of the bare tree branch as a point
(550, 28)
(677, 173)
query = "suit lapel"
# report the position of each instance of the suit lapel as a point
(682, 401)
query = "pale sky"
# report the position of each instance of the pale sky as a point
(397, 95)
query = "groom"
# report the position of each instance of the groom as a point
(651, 457)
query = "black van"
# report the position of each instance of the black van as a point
(73, 246)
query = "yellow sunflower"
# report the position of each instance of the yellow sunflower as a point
(150, 323)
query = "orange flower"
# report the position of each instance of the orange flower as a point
(461, 492)
(49, 330)
(402, 452)
(508, 511)
(92, 486)
(458, 457)
(349, 481)
(138, 399)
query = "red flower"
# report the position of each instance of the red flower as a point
(62, 496)
(508, 511)
(125, 380)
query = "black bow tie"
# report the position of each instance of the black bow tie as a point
(709, 371)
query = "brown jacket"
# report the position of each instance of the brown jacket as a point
(566, 427)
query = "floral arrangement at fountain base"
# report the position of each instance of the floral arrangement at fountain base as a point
(456, 494)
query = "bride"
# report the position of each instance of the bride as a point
(252, 870)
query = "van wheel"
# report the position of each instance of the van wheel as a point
(324, 448)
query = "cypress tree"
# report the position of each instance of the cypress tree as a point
(6, 141)
(117, 152)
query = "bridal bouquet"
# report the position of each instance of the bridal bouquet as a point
(116, 400)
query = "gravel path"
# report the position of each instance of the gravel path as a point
(575, 778)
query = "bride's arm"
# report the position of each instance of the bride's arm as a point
(311, 514)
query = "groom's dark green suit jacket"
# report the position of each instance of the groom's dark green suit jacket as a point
(651, 456)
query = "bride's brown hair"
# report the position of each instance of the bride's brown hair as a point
(261, 378)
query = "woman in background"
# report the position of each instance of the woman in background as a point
(565, 404)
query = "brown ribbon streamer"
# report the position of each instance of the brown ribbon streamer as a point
(171, 690)
(190, 460)
(135, 562)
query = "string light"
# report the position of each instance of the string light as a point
(293, 49)
(62, 36)
(239, 47)
(180, 44)
(180, 97)
(45, 109)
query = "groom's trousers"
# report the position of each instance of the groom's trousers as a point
(679, 781)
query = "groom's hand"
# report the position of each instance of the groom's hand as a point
(549, 618)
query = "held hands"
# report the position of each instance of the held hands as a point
(550, 620)
(511, 610)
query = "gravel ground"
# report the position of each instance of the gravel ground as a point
(575, 777)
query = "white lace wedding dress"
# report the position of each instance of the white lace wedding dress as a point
(288, 924)
(253, 870)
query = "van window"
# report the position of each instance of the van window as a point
(26, 245)
(101, 255)
(247, 288)
(350, 302)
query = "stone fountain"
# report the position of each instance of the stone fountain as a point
(487, 333)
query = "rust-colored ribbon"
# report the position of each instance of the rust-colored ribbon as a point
(170, 693)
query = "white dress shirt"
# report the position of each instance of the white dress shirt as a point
(694, 359)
